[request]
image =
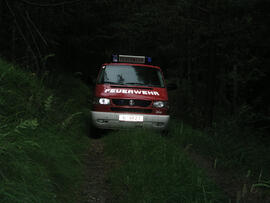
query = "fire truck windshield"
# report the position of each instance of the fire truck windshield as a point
(131, 75)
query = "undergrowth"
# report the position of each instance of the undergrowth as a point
(42, 137)
(230, 147)
(154, 169)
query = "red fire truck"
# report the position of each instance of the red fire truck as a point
(129, 92)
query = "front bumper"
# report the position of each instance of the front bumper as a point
(109, 120)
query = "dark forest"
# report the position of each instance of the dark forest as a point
(215, 51)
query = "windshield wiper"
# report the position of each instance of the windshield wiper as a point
(134, 83)
(137, 83)
(151, 85)
(116, 83)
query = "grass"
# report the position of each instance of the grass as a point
(42, 137)
(242, 152)
(151, 168)
(154, 169)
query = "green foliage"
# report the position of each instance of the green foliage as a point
(154, 169)
(36, 154)
(48, 103)
(69, 119)
(228, 145)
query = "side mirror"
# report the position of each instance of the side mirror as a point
(171, 86)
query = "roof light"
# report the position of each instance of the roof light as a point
(114, 58)
(131, 59)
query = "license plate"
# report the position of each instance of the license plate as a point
(128, 117)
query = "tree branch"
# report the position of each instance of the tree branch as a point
(50, 4)
(33, 37)
(21, 32)
(37, 30)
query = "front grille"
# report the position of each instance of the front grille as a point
(126, 102)
(133, 110)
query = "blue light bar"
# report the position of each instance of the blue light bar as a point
(148, 59)
(114, 58)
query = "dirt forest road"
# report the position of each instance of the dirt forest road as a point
(95, 187)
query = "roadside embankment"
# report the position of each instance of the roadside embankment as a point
(42, 136)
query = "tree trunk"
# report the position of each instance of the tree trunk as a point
(13, 41)
(211, 75)
(235, 89)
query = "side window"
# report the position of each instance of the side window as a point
(100, 78)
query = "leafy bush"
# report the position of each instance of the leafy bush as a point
(40, 160)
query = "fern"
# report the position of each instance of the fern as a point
(27, 124)
(2, 101)
(32, 144)
(68, 120)
(48, 103)
(2, 76)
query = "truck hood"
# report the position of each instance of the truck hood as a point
(131, 92)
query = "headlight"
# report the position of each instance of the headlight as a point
(159, 104)
(104, 101)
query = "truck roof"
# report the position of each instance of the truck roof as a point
(132, 64)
